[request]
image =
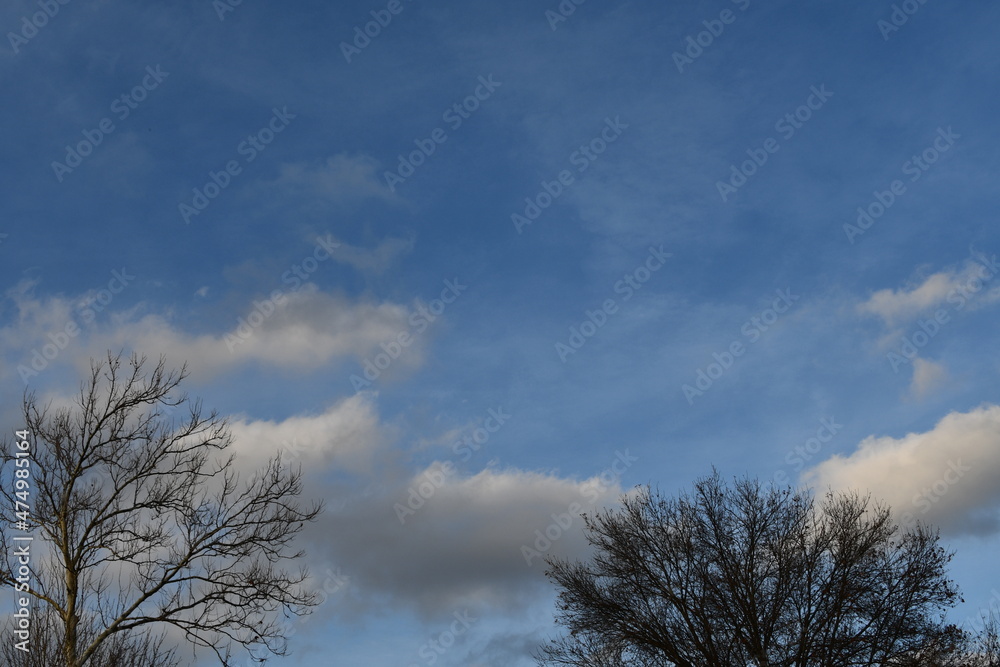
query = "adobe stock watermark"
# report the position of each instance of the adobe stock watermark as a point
(122, 106)
(911, 344)
(363, 35)
(696, 44)
(591, 493)
(753, 329)
(296, 275)
(786, 126)
(563, 11)
(915, 168)
(899, 17)
(932, 494)
(249, 149)
(223, 7)
(21, 548)
(86, 313)
(431, 650)
(800, 455)
(418, 321)
(472, 441)
(454, 116)
(581, 158)
(31, 25)
(629, 284)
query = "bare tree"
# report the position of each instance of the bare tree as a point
(958, 647)
(981, 648)
(142, 521)
(736, 575)
(46, 645)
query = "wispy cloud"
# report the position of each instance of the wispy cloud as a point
(306, 330)
(340, 178)
(898, 306)
(928, 376)
(375, 260)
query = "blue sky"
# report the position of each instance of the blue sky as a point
(573, 255)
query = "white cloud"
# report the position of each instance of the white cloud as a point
(898, 306)
(894, 305)
(309, 330)
(948, 476)
(347, 436)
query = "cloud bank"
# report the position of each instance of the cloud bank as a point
(948, 476)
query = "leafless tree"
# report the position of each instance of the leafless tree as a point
(738, 575)
(980, 648)
(958, 647)
(141, 520)
(988, 642)
(46, 645)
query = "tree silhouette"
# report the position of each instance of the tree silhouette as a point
(46, 645)
(141, 520)
(736, 575)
